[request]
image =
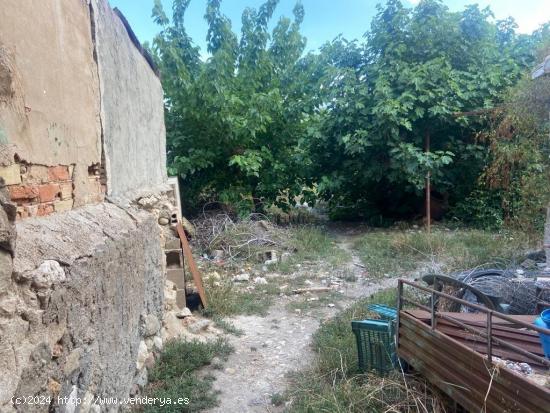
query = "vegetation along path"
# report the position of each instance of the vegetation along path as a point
(272, 346)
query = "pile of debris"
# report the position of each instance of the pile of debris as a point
(223, 239)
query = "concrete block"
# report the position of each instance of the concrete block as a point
(174, 259)
(173, 244)
(176, 276)
(66, 205)
(181, 301)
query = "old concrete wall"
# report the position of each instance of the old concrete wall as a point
(49, 98)
(81, 289)
(133, 128)
(85, 297)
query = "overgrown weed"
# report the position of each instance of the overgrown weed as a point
(334, 383)
(174, 375)
(394, 253)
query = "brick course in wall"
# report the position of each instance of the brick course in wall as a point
(40, 190)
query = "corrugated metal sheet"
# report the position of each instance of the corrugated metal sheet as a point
(465, 375)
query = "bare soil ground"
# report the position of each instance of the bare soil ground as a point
(279, 343)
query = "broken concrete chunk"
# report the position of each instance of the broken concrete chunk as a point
(244, 277)
(157, 343)
(50, 272)
(185, 312)
(260, 281)
(143, 353)
(199, 326)
(151, 325)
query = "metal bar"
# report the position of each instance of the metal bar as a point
(399, 306)
(490, 336)
(434, 318)
(541, 360)
(478, 307)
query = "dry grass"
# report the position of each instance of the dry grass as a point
(399, 252)
(334, 384)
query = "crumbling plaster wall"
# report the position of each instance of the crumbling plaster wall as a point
(82, 290)
(133, 128)
(49, 101)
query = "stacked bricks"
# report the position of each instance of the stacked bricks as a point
(39, 190)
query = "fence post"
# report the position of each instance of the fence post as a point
(399, 305)
(490, 336)
(433, 315)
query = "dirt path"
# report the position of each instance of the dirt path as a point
(274, 345)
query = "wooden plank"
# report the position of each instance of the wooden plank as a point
(191, 263)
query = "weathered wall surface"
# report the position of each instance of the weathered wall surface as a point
(81, 289)
(49, 103)
(133, 128)
(87, 289)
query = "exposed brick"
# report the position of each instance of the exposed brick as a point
(63, 205)
(11, 174)
(35, 174)
(66, 190)
(58, 173)
(48, 192)
(45, 209)
(23, 192)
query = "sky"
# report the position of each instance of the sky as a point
(324, 19)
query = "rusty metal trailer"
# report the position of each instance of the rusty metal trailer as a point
(456, 353)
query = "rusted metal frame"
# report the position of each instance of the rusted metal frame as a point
(437, 351)
(448, 367)
(478, 307)
(541, 360)
(490, 336)
(432, 310)
(399, 307)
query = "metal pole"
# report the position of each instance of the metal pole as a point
(490, 336)
(428, 189)
(399, 306)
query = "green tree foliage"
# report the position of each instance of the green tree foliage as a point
(260, 121)
(407, 83)
(234, 121)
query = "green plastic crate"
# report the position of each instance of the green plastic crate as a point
(375, 345)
